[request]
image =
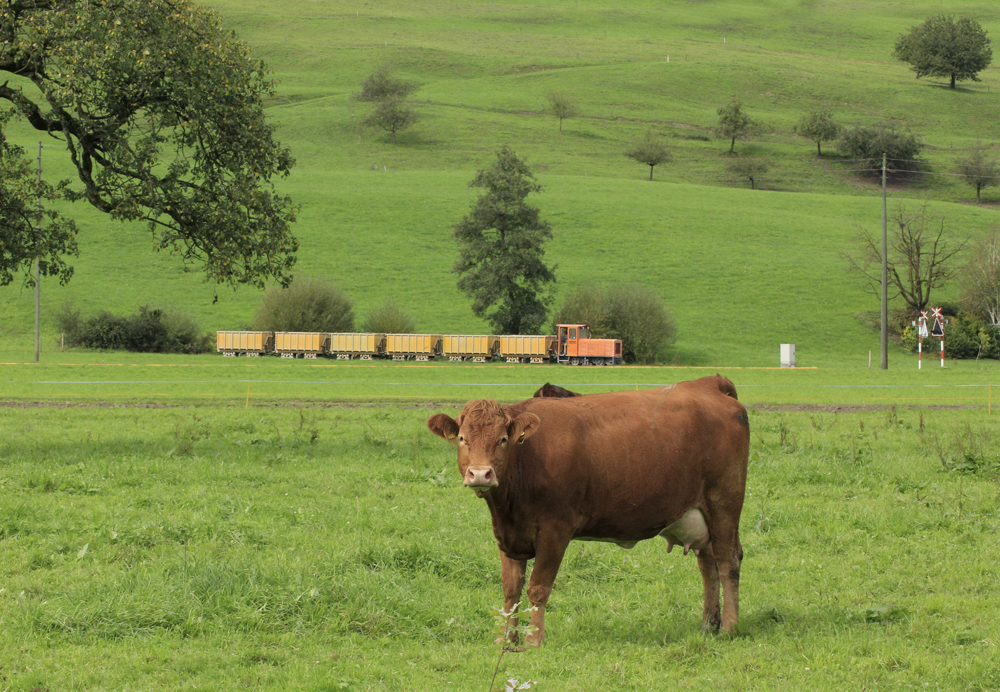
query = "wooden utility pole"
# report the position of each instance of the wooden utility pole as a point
(885, 280)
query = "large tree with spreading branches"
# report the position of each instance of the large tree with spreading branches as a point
(943, 46)
(501, 252)
(161, 114)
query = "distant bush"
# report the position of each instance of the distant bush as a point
(965, 336)
(388, 318)
(631, 312)
(869, 143)
(309, 304)
(150, 330)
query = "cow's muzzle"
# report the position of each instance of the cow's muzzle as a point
(480, 479)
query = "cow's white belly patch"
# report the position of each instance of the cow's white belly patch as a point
(690, 530)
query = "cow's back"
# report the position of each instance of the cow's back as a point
(625, 463)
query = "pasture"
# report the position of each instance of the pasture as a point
(377, 218)
(304, 542)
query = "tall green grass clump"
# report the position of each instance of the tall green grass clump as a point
(389, 318)
(308, 304)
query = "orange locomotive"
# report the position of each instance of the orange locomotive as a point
(577, 348)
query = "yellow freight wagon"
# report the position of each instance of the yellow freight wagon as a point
(364, 346)
(305, 344)
(244, 343)
(518, 348)
(478, 347)
(417, 346)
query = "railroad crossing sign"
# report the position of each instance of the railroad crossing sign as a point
(922, 325)
(938, 328)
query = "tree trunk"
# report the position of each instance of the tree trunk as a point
(978, 188)
(819, 152)
(953, 81)
(732, 146)
(650, 172)
(752, 185)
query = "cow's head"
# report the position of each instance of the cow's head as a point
(485, 434)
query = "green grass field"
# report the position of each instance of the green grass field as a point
(280, 548)
(742, 270)
(199, 522)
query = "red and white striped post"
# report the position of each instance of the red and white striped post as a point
(938, 329)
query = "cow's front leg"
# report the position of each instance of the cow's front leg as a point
(549, 553)
(513, 584)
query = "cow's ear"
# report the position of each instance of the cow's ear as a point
(443, 426)
(523, 426)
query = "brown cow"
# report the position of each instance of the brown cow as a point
(619, 467)
(553, 391)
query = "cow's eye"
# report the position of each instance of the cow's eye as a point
(461, 438)
(503, 440)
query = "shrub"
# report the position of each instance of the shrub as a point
(965, 336)
(631, 312)
(309, 304)
(148, 331)
(869, 143)
(388, 318)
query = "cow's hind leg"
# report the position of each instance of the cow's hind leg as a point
(728, 558)
(513, 584)
(710, 617)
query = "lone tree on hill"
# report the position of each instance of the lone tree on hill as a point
(869, 143)
(945, 47)
(921, 252)
(501, 243)
(819, 127)
(392, 116)
(979, 169)
(380, 85)
(650, 151)
(562, 107)
(748, 167)
(735, 124)
(161, 112)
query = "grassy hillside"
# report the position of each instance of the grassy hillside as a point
(742, 270)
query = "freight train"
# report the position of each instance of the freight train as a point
(572, 344)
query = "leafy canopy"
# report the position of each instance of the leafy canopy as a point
(501, 243)
(24, 234)
(945, 47)
(562, 107)
(980, 169)
(161, 113)
(735, 124)
(650, 151)
(819, 127)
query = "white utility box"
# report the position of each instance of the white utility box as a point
(788, 355)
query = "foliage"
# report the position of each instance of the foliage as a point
(944, 47)
(150, 330)
(23, 234)
(161, 112)
(650, 151)
(735, 124)
(867, 144)
(748, 167)
(308, 304)
(381, 86)
(628, 311)
(511, 627)
(562, 107)
(921, 254)
(819, 127)
(965, 336)
(980, 169)
(389, 318)
(501, 246)
(980, 279)
(391, 115)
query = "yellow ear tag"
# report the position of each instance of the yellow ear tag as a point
(520, 440)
